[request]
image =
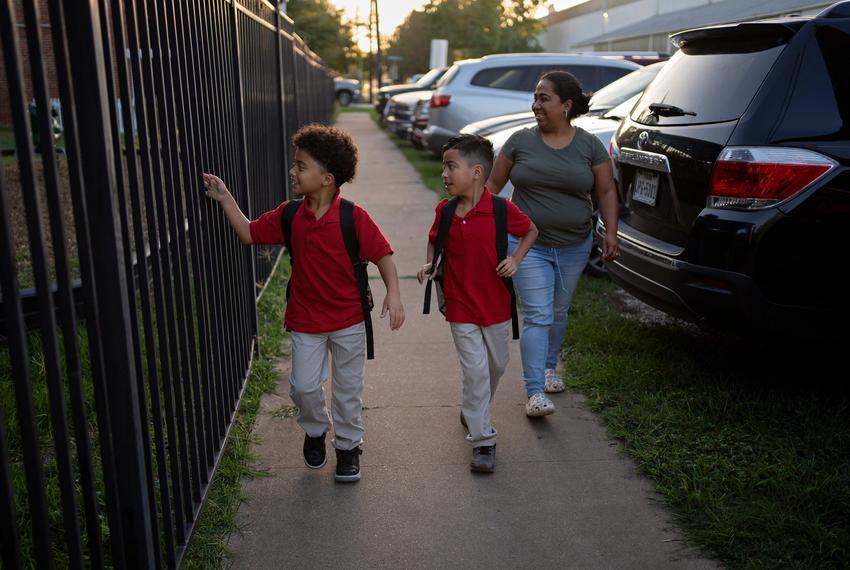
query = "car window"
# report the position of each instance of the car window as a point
(449, 76)
(430, 78)
(820, 102)
(608, 75)
(586, 74)
(623, 88)
(510, 78)
(714, 81)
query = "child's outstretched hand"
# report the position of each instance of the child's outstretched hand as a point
(393, 306)
(507, 267)
(423, 272)
(215, 188)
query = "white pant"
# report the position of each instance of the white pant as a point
(483, 353)
(310, 372)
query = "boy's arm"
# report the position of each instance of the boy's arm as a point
(392, 302)
(216, 189)
(426, 269)
(509, 265)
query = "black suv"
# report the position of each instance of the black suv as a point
(734, 179)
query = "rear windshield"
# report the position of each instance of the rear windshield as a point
(715, 83)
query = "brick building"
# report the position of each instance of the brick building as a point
(49, 60)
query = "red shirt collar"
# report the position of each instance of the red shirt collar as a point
(332, 213)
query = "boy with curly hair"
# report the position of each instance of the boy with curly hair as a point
(325, 307)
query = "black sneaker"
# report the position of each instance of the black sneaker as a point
(314, 451)
(348, 465)
(483, 459)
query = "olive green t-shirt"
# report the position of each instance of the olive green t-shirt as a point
(552, 186)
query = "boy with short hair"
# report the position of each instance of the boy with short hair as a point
(325, 307)
(478, 305)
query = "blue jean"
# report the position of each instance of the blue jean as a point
(545, 281)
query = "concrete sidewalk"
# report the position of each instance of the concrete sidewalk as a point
(563, 495)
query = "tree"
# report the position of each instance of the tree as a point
(473, 27)
(322, 26)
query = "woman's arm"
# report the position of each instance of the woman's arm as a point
(499, 174)
(606, 196)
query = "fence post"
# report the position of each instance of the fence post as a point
(281, 104)
(101, 188)
(243, 161)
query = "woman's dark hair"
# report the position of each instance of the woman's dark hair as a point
(566, 86)
(331, 147)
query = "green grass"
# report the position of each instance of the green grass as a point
(7, 138)
(428, 166)
(208, 546)
(748, 444)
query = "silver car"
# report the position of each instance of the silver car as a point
(475, 89)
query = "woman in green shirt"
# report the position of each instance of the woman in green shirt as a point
(554, 166)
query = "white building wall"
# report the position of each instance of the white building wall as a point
(571, 34)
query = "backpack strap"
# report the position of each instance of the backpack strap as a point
(500, 214)
(446, 216)
(289, 212)
(352, 246)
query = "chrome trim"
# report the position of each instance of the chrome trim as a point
(644, 159)
(649, 247)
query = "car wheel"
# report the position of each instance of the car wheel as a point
(344, 98)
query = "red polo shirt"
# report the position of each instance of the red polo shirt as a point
(323, 291)
(473, 291)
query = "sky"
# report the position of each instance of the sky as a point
(393, 12)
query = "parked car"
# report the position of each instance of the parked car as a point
(623, 89)
(347, 91)
(607, 98)
(735, 177)
(420, 121)
(604, 128)
(399, 113)
(475, 89)
(426, 82)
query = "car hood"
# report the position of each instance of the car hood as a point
(401, 87)
(412, 97)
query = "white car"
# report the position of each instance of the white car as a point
(475, 89)
(399, 111)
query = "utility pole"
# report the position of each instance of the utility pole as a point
(378, 36)
(371, 84)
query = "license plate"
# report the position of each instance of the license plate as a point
(646, 187)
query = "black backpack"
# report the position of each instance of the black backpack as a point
(352, 245)
(500, 216)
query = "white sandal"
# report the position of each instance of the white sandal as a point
(539, 405)
(554, 383)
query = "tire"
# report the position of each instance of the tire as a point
(344, 98)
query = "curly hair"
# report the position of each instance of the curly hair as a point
(331, 147)
(566, 86)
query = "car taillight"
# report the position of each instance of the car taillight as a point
(754, 177)
(440, 100)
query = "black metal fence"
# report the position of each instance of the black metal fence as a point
(118, 393)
